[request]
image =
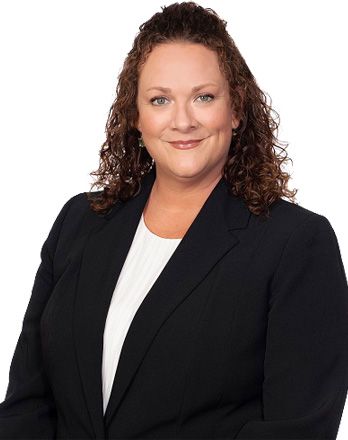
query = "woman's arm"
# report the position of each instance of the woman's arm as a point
(306, 360)
(28, 410)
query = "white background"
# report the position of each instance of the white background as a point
(59, 67)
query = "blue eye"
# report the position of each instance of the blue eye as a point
(158, 98)
(207, 95)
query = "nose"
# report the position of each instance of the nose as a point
(183, 117)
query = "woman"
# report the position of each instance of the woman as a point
(187, 298)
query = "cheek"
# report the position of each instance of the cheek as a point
(217, 119)
(153, 122)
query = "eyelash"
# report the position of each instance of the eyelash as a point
(163, 97)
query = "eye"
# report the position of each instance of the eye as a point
(159, 100)
(207, 95)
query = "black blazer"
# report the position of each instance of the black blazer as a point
(244, 335)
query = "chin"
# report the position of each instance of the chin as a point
(187, 173)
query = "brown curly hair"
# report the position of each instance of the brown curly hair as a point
(253, 167)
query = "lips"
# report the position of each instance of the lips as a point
(185, 145)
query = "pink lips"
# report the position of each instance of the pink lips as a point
(186, 145)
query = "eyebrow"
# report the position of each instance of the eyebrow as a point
(194, 89)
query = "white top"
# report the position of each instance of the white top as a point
(145, 260)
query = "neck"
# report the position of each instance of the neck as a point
(175, 196)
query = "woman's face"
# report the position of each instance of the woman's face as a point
(182, 95)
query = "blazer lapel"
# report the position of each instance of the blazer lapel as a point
(208, 239)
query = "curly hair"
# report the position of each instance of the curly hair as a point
(253, 166)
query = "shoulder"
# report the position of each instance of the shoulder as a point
(70, 230)
(291, 214)
(76, 218)
(79, 204)
(295, 238)
(288, 220)
(309, 250)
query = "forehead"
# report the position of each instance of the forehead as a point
(172, 63)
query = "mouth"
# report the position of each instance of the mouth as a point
(186, 145)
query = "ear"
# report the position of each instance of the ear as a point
(237, 114)
(137, 125)
(234, 122)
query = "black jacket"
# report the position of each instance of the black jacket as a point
(244, 335)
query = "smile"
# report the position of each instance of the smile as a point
(186, 145)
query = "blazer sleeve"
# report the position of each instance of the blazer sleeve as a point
(28, 410)
(306, 359)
